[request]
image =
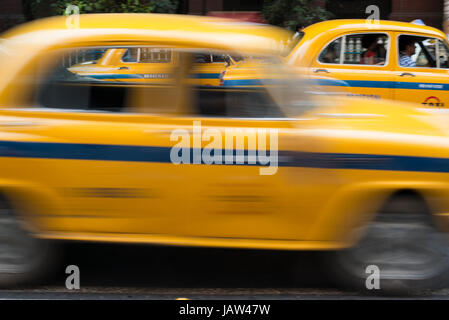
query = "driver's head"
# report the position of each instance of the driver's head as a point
(407, 45)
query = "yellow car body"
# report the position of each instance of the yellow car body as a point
(108, 176)
(426, 84)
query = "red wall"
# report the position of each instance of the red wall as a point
(430, 11)
(204, 6)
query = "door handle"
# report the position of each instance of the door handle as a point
(403, 74)
(321, 70)
(123, 68)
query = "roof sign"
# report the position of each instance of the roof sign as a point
(418, 22)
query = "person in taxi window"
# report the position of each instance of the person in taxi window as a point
(375, 53)
(381, 53)
(407, 49)
(369, 42)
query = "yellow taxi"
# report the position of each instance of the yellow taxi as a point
(378, 59)
(148, 65)
(277, 167)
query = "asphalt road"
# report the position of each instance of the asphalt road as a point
(148, 272)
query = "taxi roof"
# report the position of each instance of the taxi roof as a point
(199, 30)
(363, 24)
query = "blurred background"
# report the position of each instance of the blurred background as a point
(285, 13)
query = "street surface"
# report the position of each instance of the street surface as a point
(150, 272)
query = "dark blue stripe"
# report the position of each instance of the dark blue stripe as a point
(354, 83)
(142, 76)
(245, 82)
(74, 151)
(371, 84)
(363, 162)
(422, 86)
(322, 82)
(114, 76)
(330, 82)
(206, 76)
(384, 84)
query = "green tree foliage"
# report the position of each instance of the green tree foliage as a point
(289, 13)
(41, 8)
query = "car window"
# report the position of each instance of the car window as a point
(131, 55)
(148, 55)
(443, 54)
(362, 49)
(417, 52)
(219, 58)
(235, 103)
(276, 92)
(242, 101)
(68, 82)
(202, 58)
(85, 56)
(332, 52)
(64, 83)
(366, 49)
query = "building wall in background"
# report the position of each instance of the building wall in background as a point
(446, 17)
(355, 9)
(11, 13)
(430, 11)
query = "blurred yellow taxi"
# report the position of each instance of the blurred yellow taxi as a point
(274, 166)
(150, 65)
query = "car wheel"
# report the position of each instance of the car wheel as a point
(23, 258)
(402, 245)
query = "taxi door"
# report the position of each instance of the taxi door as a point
(360, 61)
(427, 83)
(243, 199)
(103, 149)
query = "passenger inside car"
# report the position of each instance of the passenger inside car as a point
(407, 48)
(369, 55)
(375, 52)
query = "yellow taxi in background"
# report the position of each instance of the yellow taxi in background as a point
(383, 60)
(148, 65)
(176, 163)
(378, 60)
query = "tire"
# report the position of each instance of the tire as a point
(410, 253)
(24, 259)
